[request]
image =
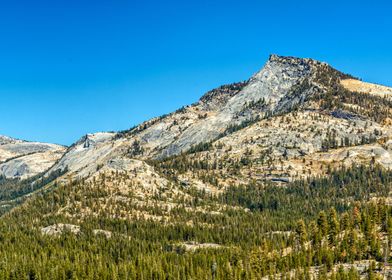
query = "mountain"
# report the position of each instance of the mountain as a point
(22, 159)
(294, 118)
(283, 176)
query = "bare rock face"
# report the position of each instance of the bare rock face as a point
(268, 86)
(282, 84)
(270, 91)
(85, 156)
(21, 159)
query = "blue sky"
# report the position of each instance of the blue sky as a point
(72, 67)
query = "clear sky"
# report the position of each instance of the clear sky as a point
(71, 67)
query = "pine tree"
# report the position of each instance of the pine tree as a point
(301, 232)
(322, 223)
(333, 225)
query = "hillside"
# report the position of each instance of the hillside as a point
(254, 180)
